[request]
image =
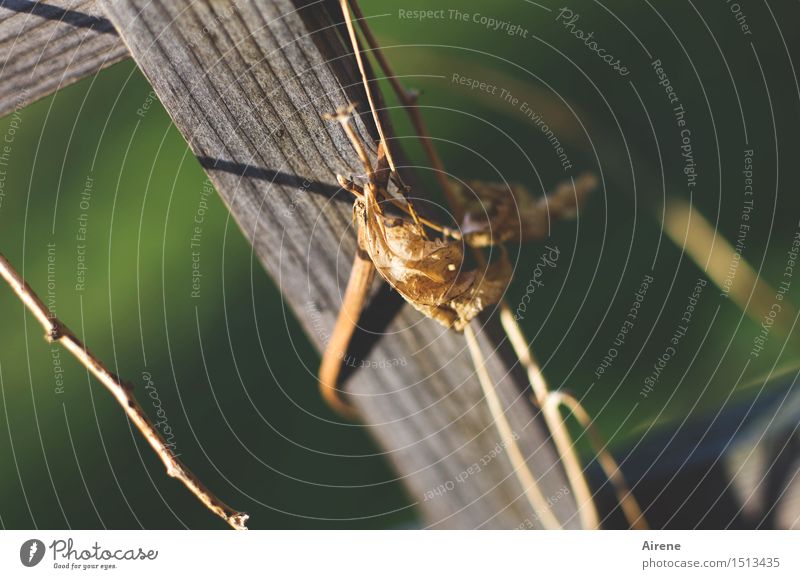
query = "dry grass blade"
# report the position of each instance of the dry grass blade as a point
(56, 331)
(690, 231)
(384, 142)
(549, 401)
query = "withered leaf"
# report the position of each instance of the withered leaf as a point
(429, 274)
(496, 213)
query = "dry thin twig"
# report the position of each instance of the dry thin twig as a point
(57, 331)
(408, 98)
(365, 81)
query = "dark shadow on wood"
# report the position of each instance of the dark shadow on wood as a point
(276, 177)
(375, 319)
(50, 12)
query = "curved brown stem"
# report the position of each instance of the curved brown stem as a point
(627, 502)
(335, 354)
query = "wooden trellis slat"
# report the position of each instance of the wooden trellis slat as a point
(46, 46)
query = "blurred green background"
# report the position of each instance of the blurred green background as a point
(70, 459)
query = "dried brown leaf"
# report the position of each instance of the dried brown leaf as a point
(496, 213)
(429, 274)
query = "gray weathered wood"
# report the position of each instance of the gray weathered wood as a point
(248, 83)
(49, 45)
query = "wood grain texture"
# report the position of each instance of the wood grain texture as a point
(247, 84)
(48, 45)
